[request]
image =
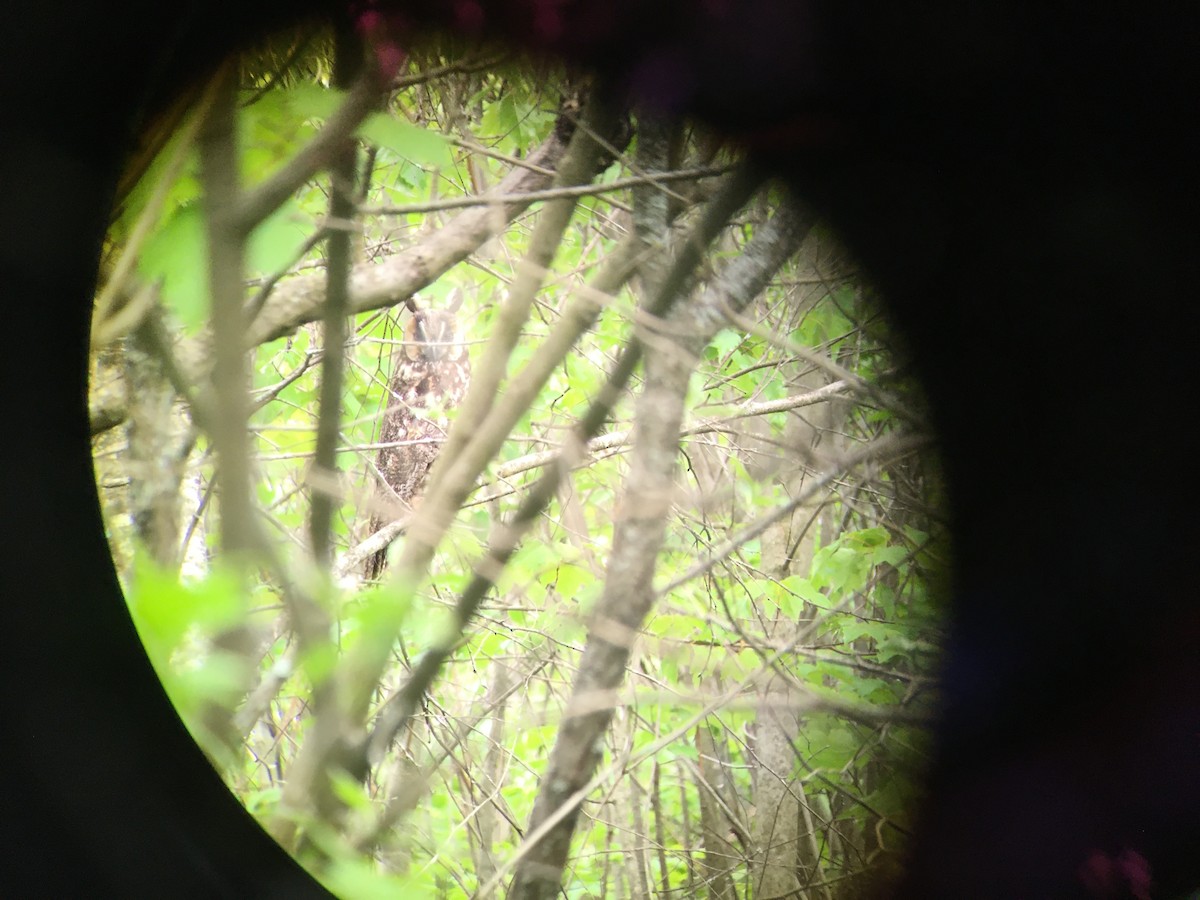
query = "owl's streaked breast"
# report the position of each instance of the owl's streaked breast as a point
(430, 379)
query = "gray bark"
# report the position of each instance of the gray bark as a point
(640, 524)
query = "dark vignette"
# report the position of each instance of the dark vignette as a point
(1020, 181)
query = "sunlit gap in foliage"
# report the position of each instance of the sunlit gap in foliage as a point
(511, 490)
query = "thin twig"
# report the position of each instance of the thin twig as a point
(582, 190)
(399, 708)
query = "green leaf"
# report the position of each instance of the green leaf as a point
(725, 341)
(893, 555)
(312, 101)
(219, 677)
(509, 120)
(274, 243)
(853, 629)
(319, 662)
(669, 625)
(685, 750)
(491, 644)
(896, 645)
(269, 132)
(885, 597)
(870, 537)
(571, 580)
(421, 145)
(840, 567)
(360, 878)
(806, 590)
(177, 254)
(349, 790)
(490, 124)
(915, 535)
(500, 122)
(165, 610)
(749, 660)
(261, 802)
(380, 608)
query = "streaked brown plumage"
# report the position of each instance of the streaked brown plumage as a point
(430, 377)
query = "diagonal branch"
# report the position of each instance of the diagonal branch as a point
(299, 300)
(579, 190)
(314, 157)
(639, 530)
(348, 62)
(615, 440)
(400, 707)
(360, 676)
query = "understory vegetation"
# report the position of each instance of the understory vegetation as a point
(661, 621)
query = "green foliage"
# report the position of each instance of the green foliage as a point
(853, 622)
(407, 141)
(169, 612)
(363, 880)
(175, 256)
(274, 243)
(179, 622)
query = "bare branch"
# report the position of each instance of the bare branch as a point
(231, 377)
(314, 157)
(639, 530)
(890, 447)
(105, 416)
(863, 385)
(297, 301)
(614, 440)
(348, 63)
(380, 540)
(360, 677)
(582, 190)
(578, 166)
(400, 707)
(107, 326)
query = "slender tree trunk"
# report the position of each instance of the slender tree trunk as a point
(640, 525)
(720, 854)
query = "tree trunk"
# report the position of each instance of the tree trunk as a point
(713, 785)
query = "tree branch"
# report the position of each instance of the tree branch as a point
(578, 165)
(616, 439)
(314, 157)
(359, 677)
(401, 705)
(892, 446)
(640, 527)
(348, 63)
(231, 377)
(580, 190)
(297, 301)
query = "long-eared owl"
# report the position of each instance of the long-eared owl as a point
(430, 375)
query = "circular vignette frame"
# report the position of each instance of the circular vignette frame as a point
(1021, 186)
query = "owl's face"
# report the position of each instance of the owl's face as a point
(432, 334)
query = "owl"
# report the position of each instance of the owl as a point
(430, 375)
